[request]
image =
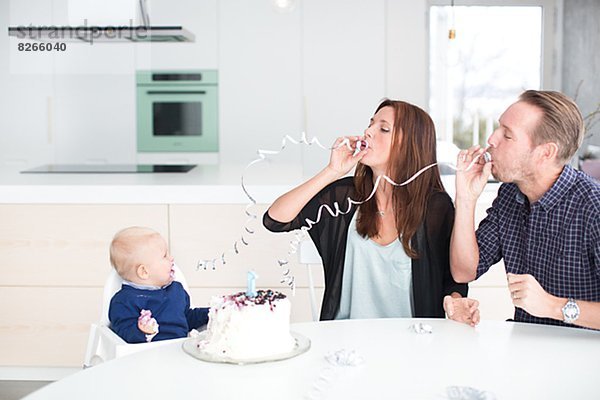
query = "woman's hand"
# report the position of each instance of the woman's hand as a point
(342, 158)
(462, 309)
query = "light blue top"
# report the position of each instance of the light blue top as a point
(377, 280)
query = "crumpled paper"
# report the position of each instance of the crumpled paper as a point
(344, 358)
(421, 328)
(468, 393)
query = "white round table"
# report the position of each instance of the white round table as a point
(509, 360)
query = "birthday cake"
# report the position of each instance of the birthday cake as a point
(241, 327)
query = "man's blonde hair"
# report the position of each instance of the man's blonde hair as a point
(561, 122)
(124, 248)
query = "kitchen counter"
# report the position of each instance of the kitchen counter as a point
(205, 184)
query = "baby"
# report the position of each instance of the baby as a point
(150, 305)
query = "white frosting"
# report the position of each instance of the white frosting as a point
(240, 329)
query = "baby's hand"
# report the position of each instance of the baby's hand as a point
(147, 324)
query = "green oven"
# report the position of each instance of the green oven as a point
(177, 111)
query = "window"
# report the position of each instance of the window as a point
(498, 51)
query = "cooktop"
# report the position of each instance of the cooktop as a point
(107, 168)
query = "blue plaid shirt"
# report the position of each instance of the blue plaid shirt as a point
(556, 239)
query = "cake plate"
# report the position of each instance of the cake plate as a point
(190, 346)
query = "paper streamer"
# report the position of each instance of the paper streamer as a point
(300, 235)
(468, 393)
(287, 277)
(421, 328)
(338, 360)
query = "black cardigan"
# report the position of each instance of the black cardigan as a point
(431, 276)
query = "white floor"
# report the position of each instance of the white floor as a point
(15, 390)
(18, 382)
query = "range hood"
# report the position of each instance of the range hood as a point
(89, 34)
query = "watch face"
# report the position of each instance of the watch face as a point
(570, 311)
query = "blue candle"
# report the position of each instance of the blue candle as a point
(251, 284)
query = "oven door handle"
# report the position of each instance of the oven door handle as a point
(175, 92)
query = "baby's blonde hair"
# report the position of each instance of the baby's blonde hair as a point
(124, 248)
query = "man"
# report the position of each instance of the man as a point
(545, 222)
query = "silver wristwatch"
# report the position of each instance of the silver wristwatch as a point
(570, 311)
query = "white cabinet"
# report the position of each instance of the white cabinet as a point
(78, 106)
(344, 70)
(95, 118)
(26, 126)
(27, 135)
(260, 79)
(95, 84)
(319, 68)
(74, 106)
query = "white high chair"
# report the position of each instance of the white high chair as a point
(309, 255)
(103, 343)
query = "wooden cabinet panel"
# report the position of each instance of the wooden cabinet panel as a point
(494, 277)
(46, 326)
(55, 261)
(66, 245)
(49, 327)
(494, 302)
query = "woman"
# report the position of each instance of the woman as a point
(387, 257)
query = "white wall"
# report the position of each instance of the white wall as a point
(321, 68)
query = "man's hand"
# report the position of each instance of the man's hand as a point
(470, 184)
(462, 309)
(528, 294)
